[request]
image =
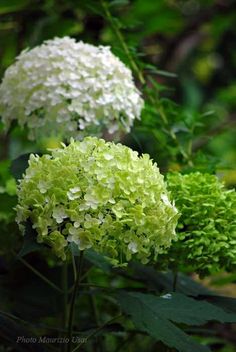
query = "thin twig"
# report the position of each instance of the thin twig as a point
(65, 292)
(65, 299)
(72, 305)
(74, 266)
(122, 41)
(93, 301)
(175, 280)
(41, 276)
(35, 325)
(97, 331)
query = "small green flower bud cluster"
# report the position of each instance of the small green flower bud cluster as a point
(207, 225)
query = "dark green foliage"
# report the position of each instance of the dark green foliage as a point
(156, 315)
(19, 165)
(30, 244)
(164, 281)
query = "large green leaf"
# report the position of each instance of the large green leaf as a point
(163, 281)
(98, 260)
(19, 165)
(155, 315)
(93, 257)
(227, 303)
(30, 243)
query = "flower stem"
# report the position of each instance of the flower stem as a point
(64, 283)
(122, 41)
(65, 293)
(74, 267)
(95, 332)
(98, 345)
(175, 280)
(72, 304)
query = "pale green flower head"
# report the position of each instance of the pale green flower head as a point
(207, 225)
(69, 89)
(98, 195)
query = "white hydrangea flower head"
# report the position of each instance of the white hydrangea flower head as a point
(71, 89)
(98, 195)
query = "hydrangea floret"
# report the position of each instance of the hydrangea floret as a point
(98, 195)
(207, 225)
(71, 89)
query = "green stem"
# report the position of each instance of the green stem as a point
(186, 155)
(175, 280)
(140, 76)
(95, 332)
(74, 266)
(72, 305)
(98, 345)
(98, 286)
(41, 276)
(95, 309)
(65, 293)
(122, 41)
(81, 279)
(85, 274)
(34, 325)
(64, 282)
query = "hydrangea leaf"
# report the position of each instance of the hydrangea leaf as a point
(29, 245)
(19, 165)
(98, 260)
(156, 316)
(164, 281)
(146, 318)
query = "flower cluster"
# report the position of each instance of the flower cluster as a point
(207, 225)
(71, 89)
(98, 195)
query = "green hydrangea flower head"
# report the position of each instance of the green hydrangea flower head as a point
(207, 225)
(98, 195)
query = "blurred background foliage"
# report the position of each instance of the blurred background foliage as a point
(183, 56)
